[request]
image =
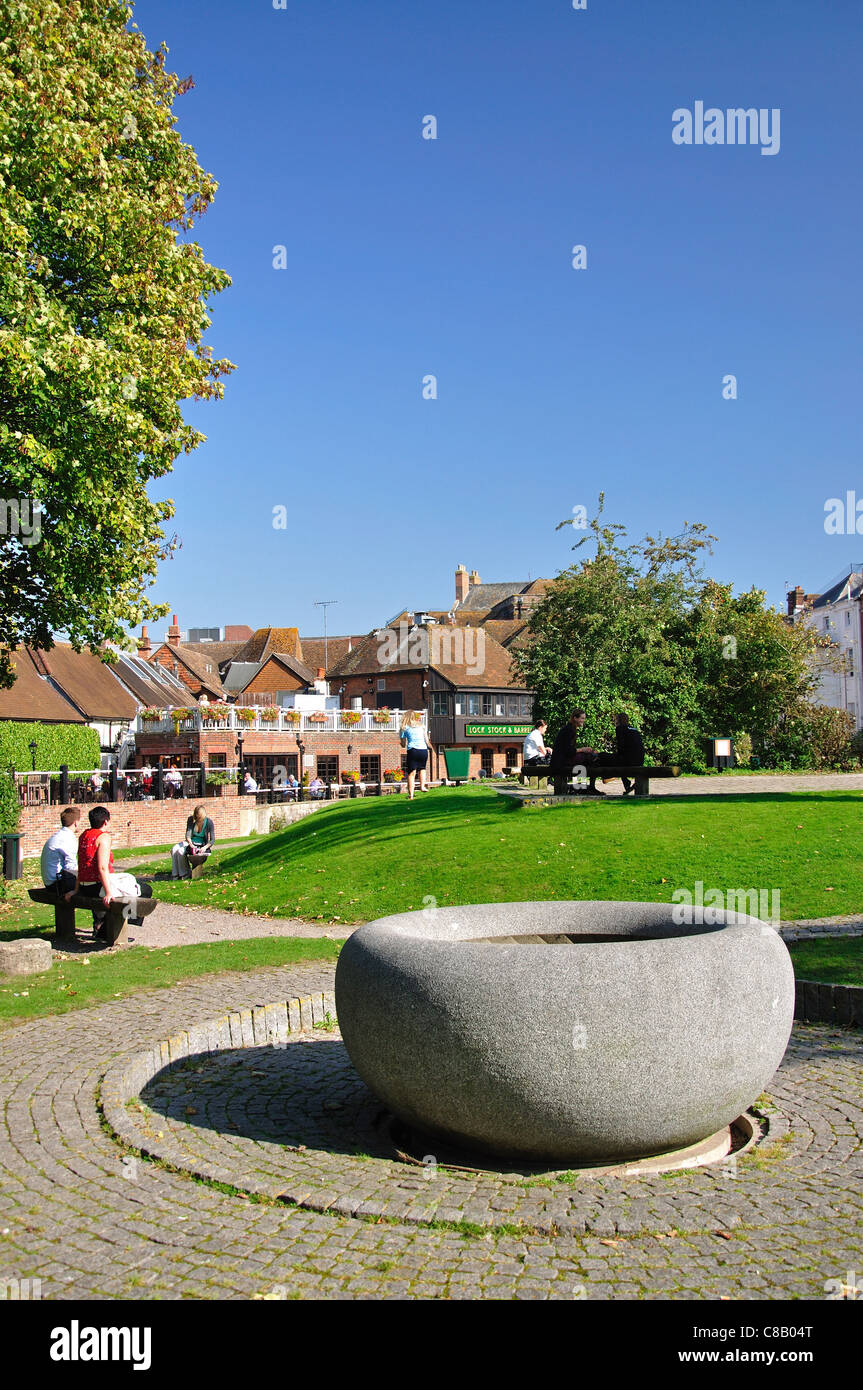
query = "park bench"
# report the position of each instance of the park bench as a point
(639, 775)
(118, 913)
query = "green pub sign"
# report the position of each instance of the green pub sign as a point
(497, 730)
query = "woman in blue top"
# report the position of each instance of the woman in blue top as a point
(413, 734)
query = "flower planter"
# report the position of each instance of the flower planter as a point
(625, 1035)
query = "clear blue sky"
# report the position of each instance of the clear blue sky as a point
(453, 257)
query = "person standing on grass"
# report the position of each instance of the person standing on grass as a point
(413, 735)
(59, 863)
(199, 842)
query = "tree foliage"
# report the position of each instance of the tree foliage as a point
(638, 628)
(103, 312)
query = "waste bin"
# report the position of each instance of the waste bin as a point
(11, 856)
(457, 764)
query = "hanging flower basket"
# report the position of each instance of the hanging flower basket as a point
(350, 777)
(293, 716)
(179, 715)
(212, 714)
(270, 713)
(152, 716)
(352, 716)
(381, 716)
(317, 718)
(393, 774)
(246, 716)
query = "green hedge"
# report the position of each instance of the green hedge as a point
(76, 745)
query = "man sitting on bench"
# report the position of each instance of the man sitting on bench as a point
(566, 754)
(534, 752)
(59, 863)
(630, 748)
(96, 876)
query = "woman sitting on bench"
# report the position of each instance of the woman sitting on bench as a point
(190, 853)
(96, 876)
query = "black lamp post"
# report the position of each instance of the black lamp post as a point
(302, 751)
(33, 746)
(241, 771)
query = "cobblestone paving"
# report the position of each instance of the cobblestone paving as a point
(77, 1213)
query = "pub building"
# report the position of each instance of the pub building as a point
(475, 703)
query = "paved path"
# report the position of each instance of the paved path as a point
(77, 1214)
(783, 782)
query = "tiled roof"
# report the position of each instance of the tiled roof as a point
(337, 649)
(205, 670)
(32, 697)
(86, 681)
(486, 596)
(503, 630)
(296, 668)
(271, 639)
(832, 594)
(497, 667)
(216, 652)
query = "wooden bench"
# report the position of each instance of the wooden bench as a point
(639, 775)
(537, 772)
(118, 913)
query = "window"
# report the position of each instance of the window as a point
(473, 704)
(487, 704)
(847, 618)
(389, 699)
(218, 760)
(459, 704)
(370, 767)
(525, 703)
(512, 757)
(512, 705)
(327, 768)
(440, 703)
(382, 684)
(487, 760)
(498, 705)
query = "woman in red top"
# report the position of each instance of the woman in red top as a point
(95, 860)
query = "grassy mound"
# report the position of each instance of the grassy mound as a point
(361, 859)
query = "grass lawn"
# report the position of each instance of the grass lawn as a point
(361, 859)
(77, 982)
(830, 961)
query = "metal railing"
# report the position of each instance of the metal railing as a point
(343, 721)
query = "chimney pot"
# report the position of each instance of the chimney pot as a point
(462, 584)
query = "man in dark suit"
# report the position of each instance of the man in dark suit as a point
(630, 748)
(566, 754)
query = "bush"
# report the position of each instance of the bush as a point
(73, 744)
(742, 750)
(809, 736)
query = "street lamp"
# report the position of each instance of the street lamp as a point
(33, 747)
(302, 751)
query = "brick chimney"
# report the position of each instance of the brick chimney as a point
(474, 578)
(174, 634)
(144, 647)
(796, 599)
(462, 583)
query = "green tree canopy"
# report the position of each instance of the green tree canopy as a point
(638, 628)
(103, 311)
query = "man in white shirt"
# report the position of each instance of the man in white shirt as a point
(535, 750)
(249, 783)
(59, 862)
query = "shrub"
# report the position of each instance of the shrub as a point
(742, 750)
(73, 744)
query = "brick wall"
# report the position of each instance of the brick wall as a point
(161, 822)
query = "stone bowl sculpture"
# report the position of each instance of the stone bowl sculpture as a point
(566, 1031)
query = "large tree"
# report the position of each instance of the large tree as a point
(637, 627)
(103, 312)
